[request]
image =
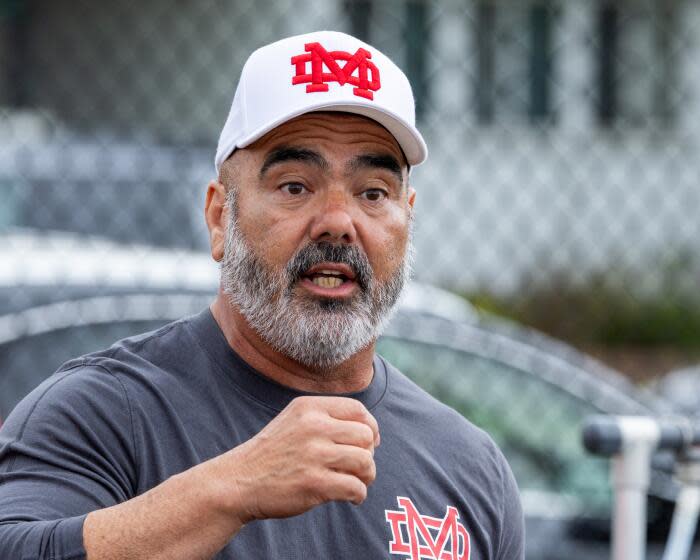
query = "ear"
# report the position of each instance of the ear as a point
(411, 196)
(216, 217)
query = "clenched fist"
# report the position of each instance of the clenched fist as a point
(318, 449)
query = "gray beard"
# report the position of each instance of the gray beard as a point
(319, 333)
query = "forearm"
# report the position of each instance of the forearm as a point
(182, 518)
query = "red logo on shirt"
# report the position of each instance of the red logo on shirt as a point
(318, 80)
(419, 536)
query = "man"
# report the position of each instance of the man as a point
(266, 426)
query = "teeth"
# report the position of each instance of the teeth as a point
(325, 282)
(333, 272)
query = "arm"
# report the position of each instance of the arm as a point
(317, 450)
(60, 459)
(184, 517)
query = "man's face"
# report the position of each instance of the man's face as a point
(318, 241)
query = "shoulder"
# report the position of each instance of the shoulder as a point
(80, 392)
(94, 386)
(77, 421)
(407, 400)
(140, 360)
(463, 448)
(447, 442)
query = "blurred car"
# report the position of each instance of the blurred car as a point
(682, 388)
(528, 391)
(532, 393)
(124, 191)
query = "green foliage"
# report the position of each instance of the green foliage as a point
(667, 320)
(609, 309)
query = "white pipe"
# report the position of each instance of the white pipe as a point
(685, 520)
(631, 473)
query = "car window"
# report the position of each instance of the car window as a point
(536, 424)
(35, 341)
(25, 362)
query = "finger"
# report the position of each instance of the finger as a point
(344, 487)
(355, 461)
(344, 408)
(350, 432)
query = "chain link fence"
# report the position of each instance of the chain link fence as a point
(562, 189)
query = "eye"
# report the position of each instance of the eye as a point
(374, 195)
(294, 189)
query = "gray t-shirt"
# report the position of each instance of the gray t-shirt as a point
(109, 426)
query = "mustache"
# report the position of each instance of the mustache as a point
(317, 253)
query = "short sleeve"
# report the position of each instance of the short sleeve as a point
(512, 534)
(66, 450)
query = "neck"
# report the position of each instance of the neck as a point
(352, 375)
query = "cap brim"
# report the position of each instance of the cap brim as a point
(407, 136)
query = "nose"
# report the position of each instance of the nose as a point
(333, 221)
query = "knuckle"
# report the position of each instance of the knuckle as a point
(322, 454)
(313, 482)
(359, 408)
(372, 475)
(323, 423)
(299, 403)
(314, 449)
(358, 493)
(353, 406)
(367, 461)
(368, 467)
(306, 402)
(309, 417)
(366, 436)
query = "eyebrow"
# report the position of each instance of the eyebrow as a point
(287, 153)
(377, 161)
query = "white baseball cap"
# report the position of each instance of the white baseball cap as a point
(321, 71)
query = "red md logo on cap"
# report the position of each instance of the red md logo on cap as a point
(318, 79)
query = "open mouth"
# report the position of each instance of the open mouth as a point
(330, 279)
